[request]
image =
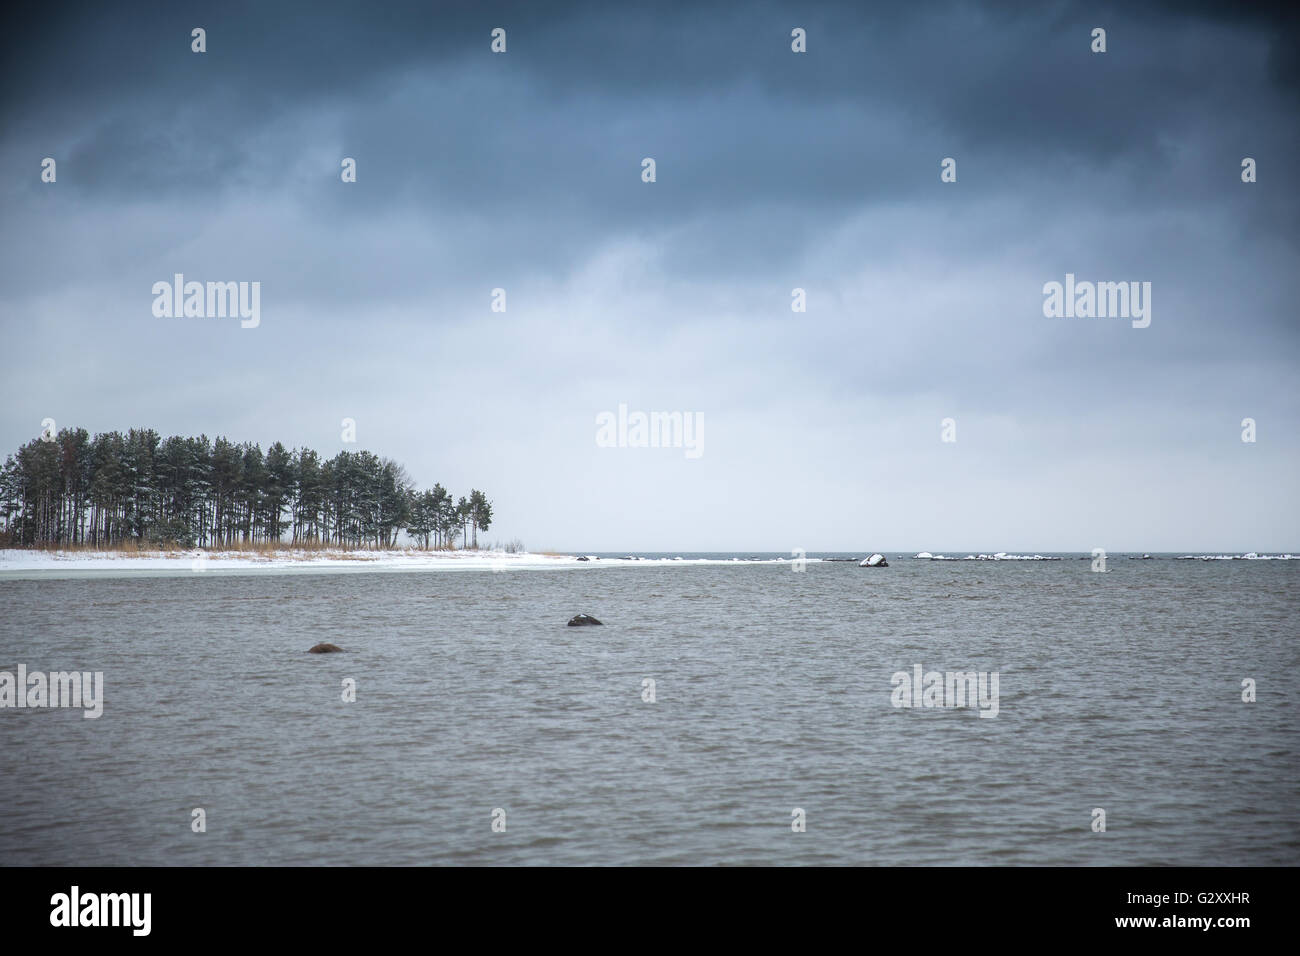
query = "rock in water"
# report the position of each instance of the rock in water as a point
(875, 561)
(325, 649)
(583, 620)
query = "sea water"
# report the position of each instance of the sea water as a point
(483, 730)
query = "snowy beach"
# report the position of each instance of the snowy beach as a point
(26, 560)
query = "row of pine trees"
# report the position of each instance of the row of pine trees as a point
(115, 489)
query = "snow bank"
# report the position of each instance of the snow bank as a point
(22, 560)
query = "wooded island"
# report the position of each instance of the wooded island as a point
(113, 490)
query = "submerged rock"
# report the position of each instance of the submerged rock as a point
(325, 649)
(583, 620)
(875, 561)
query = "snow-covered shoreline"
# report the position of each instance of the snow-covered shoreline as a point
(19, 562)
(197, 561)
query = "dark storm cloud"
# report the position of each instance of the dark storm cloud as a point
(710, 86)
(553, 133)
(549, 138)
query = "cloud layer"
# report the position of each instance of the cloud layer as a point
(775, 171)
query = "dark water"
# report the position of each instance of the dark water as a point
(1120, 691)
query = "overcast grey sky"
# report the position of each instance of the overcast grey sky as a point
(775, 170)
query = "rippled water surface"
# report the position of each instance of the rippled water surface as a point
(1120, 691)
